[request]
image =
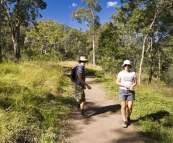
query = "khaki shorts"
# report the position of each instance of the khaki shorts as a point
(79, 94)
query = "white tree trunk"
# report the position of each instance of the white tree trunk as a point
(159, 65)
(142, 58)
(143, 49)
(93, 50)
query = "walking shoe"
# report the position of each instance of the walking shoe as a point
(77, 109)
(78, 105)
(84, 116)
(124, 124)
(128, 119)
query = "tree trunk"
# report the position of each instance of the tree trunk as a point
(16, 42)
(0, 31)
(143, 49)
(151, 68)
(16, 51)
(142, 58)
(159, 65)
(151, 59)
(93, 50)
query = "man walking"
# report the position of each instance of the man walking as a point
(80, 84)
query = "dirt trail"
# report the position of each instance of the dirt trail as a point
(105, 122)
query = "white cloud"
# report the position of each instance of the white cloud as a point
(74, 4)
(111, 4)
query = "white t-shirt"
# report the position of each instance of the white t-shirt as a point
(126, 78)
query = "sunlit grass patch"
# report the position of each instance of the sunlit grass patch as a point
(34, 102)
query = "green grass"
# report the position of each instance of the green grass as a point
(35, 102)
(153, 111)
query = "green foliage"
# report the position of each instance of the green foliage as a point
(22, 13)
(34, 102)
(110, 54)
(88, 15)
(25, 10)
(57, 40)
(167, 75)
(152, 20)
(167, 67)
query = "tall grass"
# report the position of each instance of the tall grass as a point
(153, 111)
(34, 102)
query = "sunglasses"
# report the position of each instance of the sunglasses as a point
(127, 65)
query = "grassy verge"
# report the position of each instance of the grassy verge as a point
(153, 111)
(35, 102)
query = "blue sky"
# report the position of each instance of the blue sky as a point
(61, 11)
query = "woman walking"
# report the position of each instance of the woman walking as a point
(127, 80)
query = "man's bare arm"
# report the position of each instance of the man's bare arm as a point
(82, 81)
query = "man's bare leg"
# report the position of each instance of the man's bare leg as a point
(82, 107)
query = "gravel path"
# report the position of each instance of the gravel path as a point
(105, 122)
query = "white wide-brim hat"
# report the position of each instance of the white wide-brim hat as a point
(83, 58)
(126, 62)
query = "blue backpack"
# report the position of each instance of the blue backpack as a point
(73, 74)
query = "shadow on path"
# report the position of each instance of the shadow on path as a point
(153, 116)
(101, 110)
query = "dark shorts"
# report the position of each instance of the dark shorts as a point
(79, 94)
(126, 95)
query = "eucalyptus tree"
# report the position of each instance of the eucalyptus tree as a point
(76, 42)
(166, 65)
(45, 34)
(158, 23)
(88, 16)
(151, 19)
(0, 30)
(20, 12)
(89, 43)
(111, 50)
(5, 37)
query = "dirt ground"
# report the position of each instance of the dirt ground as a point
(104, 124)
